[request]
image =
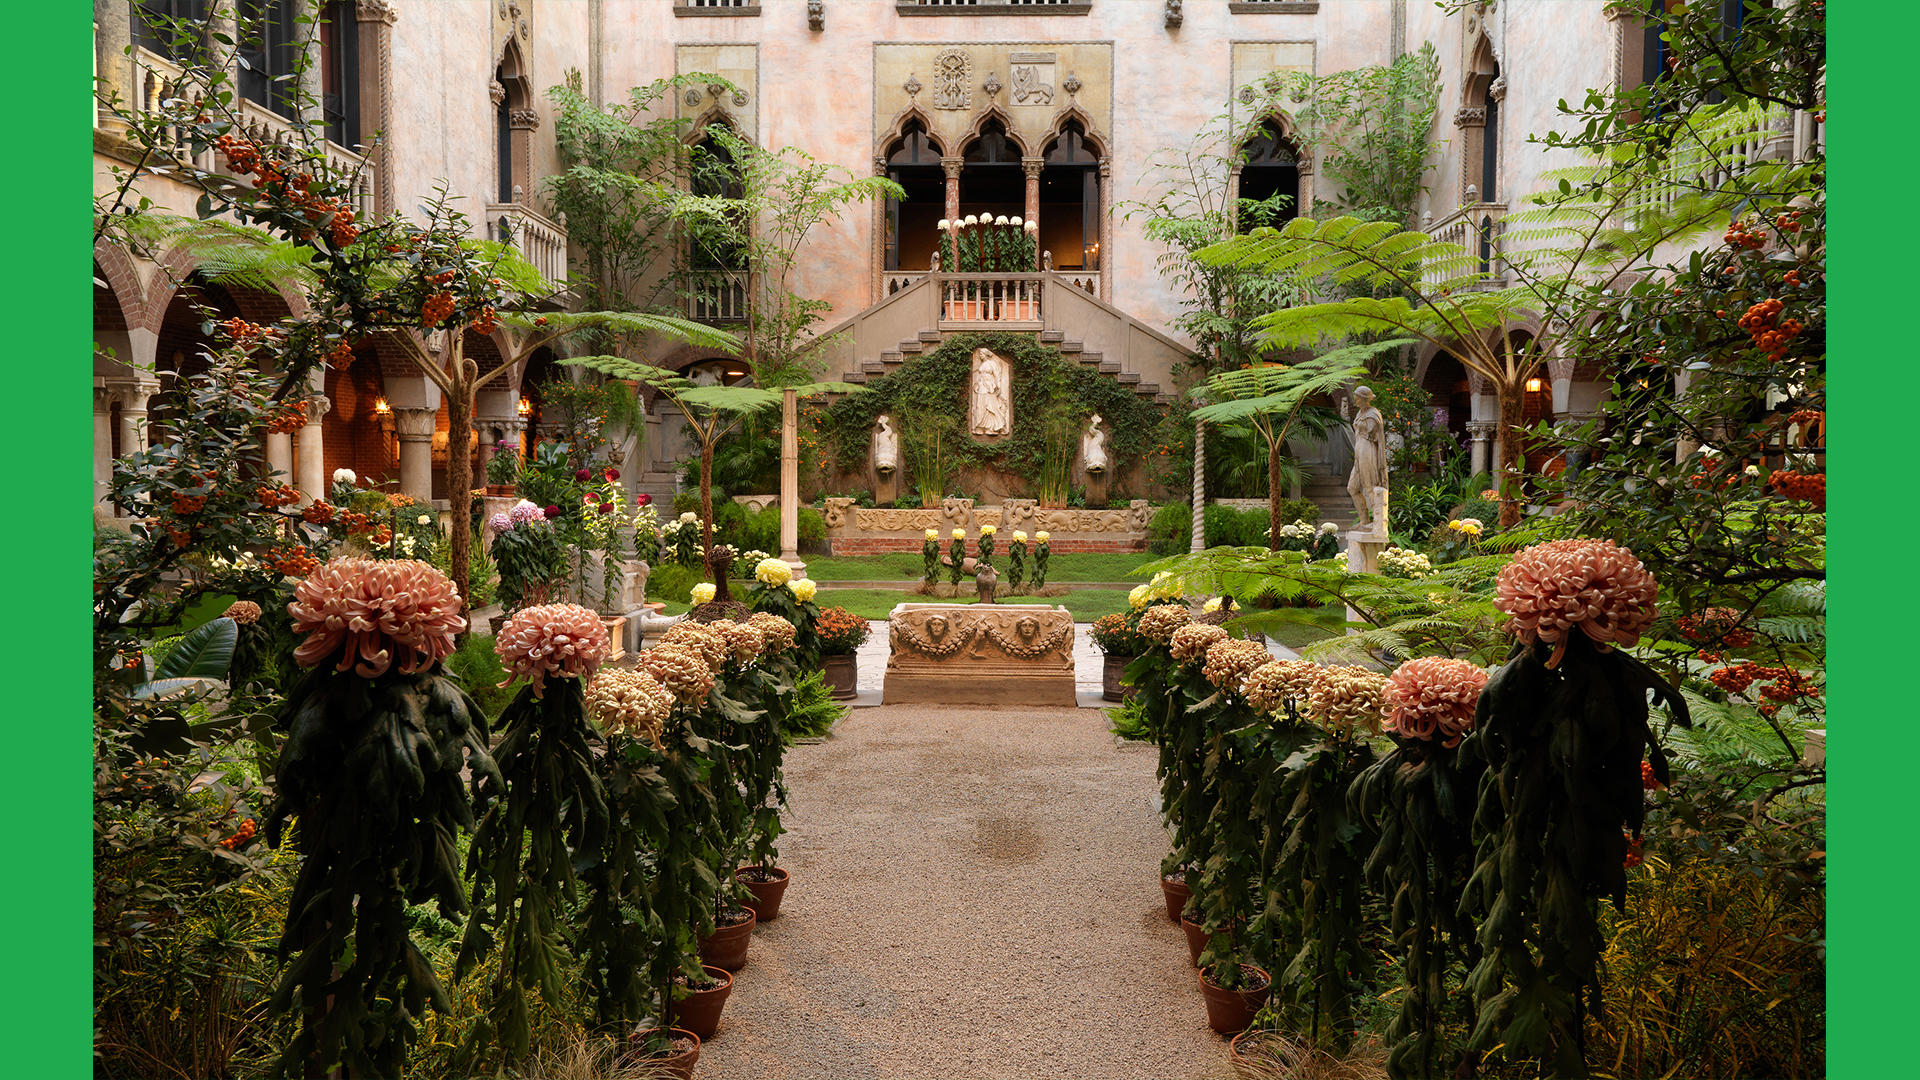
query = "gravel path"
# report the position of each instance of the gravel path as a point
(973, 897)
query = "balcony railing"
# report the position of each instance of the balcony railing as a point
(1087, 281)
(158, 82)
(717, 296)
(1725, 141)
(990, 301)
(542, 242)
(1477, 228)
(901, 279)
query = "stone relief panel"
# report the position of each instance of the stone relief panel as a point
(1253, 61)
(739, 65)
(1034, 80)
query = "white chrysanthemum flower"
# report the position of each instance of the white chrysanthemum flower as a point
(1001, 220)
(344, 476)
(1015, 220)
(943, 224)
(1033, 226)
(972, 219)
(689, 518)
(1329, 527)
(425, 519)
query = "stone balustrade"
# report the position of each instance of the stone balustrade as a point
(541, 241)
(1477, 228)
(856, 530)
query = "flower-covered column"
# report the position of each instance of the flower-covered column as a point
(310, 457)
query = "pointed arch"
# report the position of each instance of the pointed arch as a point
(897, 129)
(979, 127)
(1074, 114)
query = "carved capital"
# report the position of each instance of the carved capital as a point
(1032, 166)
(1498, 91)
(1470, 116)
(316, 407)
(523, 119)
(132, 394)
(816, 15)
(1481, 430)
(415, 425)
(380, 11)
(496, 93)
(952, 166)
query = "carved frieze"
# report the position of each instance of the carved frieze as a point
(953, 80)
(845, 519)
(980, 654)
(837, 512)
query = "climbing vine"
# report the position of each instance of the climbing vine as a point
(1046, 386)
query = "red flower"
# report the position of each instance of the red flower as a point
(553, 512)
(642, 499)
(583, 474)
(611, 475)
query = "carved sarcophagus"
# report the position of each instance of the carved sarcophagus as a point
(979, 654)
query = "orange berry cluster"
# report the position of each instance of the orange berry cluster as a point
(240, 837)
(340, 355)
(185, 505)
(1740, 237)
(1784, 684)
(487, 321)
(1807, 487)
(381, 537)
(1788, 221)
(437, 308)
(1647, 779)
(1770, 334)
(317, 512)
(1634, 857)
(274, 497)
(1716, 622)
(244, 157)
(180, 537)
(287, 421)
(242, 332)
(293, 562)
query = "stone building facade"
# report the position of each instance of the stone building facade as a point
(1051, 110)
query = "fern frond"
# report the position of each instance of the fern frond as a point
(228, 253)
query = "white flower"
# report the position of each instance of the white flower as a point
(689, 518)
(1753, 470)
(1019, 537)
(1290, 530)
(425, 519)
(344, 476)
(802, 589)
(1015, 220)
(1032, 226)
(943, 224)
(1211, 606)
(1329, 527)
(702, 593)
(1041, 536)
(406, 544)
(972, 219)
(933, 534)
(1137, 597)
(1001, 220)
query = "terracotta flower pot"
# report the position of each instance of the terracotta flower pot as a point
(677, 1064)
(1196, 940)
(727, 946)
(1177, 893)
(699, 1012)
(500, 491)
(843, 675)
(766, 894)
(1230, 1011)
(1113, 670)
(1246, 1055)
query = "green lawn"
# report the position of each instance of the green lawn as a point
(1085, 605)
(906, 566)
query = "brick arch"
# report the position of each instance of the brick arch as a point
(353, 434)
(124, 290)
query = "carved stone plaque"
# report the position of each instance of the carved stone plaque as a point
(973, 654)
(953, 80)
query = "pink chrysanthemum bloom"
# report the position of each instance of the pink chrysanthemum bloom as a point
(680, 670)
(375, 614)
(244, 612)
(744, 640)
(1229, 662)
(629, 702)
(565, 641)
(1346, 699)
(778, 632)
(704, 640)
(1192, 641)
(1433, 698)
(1596, 586)
(1159, 622)
(1270, 686)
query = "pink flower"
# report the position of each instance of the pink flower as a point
(1229, 662)
(680, 670)
(583, 474)
(244, 612)
(629, 701)
(1346, 698)
(701, 639)
(374, 613)
(1596, 586)
(1191, 641)
(564, 641)
(1434, 698)
(777, 632)
(1158, 623)
(1270, 686)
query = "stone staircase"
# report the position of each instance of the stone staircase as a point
(890, 360)
(1330, 494)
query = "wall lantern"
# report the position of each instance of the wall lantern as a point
(380, 407)
(524, 407)
(1533, 386)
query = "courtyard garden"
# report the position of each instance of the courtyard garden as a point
(1524, 776)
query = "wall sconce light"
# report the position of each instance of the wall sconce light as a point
(1533, 386)
(524, 407)
(380, 407)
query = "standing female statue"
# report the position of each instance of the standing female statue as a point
(1369, 462)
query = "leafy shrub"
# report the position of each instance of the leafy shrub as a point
(1299, 510)
(1131, 720)
(762, 531)
(813, 531)
(672, 582)
(730, 523)
(813, 712)
(1486, 510)
(1171, 530)
(690, 501)
(1221, 527)
(479, 671)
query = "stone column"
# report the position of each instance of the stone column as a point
(133, 397)
(309, 460)
(1106, 229)
(415, 427)
(1032, 167)
(877, 281)
(952, 166)
(1480, 431)
(376, 18)
(1199, 487)
(1560, 380)
(1683, 448)
(112, 34)
(279, 454)
(790, 482)
(102, 446)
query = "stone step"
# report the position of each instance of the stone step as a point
(1071, 346)
(1148, 389)
(874, 367)
(855, 377)
(1126, 378)
(1112, 367)
(1052, 337)
(912, 348)
(889, 356)
(931, 337)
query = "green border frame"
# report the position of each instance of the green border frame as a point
(47, 846)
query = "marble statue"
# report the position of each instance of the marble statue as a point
(1093, 446)
(1367, 484)
(886, 445)
(991, 410)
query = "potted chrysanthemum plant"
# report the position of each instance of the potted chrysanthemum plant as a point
(775, 676)
(792, 599)
(548, 809)
(930, 557)
(1017, 561)
(1228, 846)
(957, 556)
(1561, 730)
(371, 773)
(1153, 674)
(1042, 547)
(841, 633)
(1316, 875)
(1417, 802)
(1119, 639)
